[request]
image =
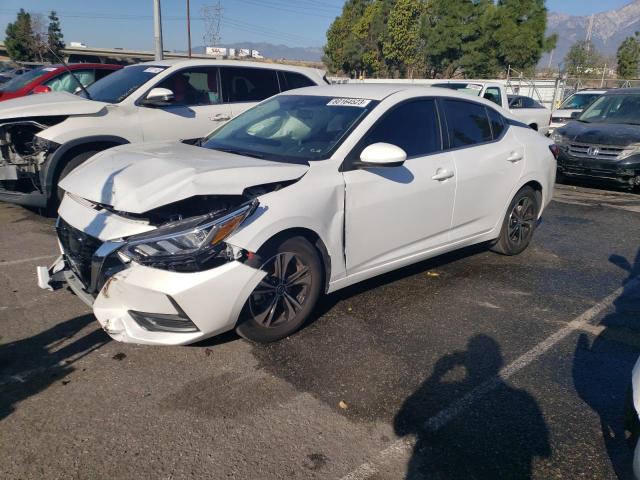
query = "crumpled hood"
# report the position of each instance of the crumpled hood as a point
(138, 178)
(49, 104)
(602, 133)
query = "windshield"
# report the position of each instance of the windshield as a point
(470, 88)
(294, 128)
(579, 101)
(19, 81)
(618, 108)
(117, 86)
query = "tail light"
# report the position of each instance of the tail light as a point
(555, 149)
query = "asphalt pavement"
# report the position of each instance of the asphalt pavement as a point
(471, 365)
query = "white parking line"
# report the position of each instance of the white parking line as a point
(403, 446)
(26, 260)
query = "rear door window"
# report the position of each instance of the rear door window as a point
(248, 84)
(493, 94)
(467, 123)
(291, 80)
(497, 123)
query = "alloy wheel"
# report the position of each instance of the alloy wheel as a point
(522, 221)
(281, 294)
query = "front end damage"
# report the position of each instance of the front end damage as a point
(23, 157)
(110, 260)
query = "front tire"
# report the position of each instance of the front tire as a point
(72, 164)
(288, 293)
(519, 223)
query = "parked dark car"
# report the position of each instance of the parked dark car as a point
(603, 142)
(55, 78)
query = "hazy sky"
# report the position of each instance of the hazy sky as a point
(128, 23)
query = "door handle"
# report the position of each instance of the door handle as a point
(514, 157)
(442, 175)
(219, 117)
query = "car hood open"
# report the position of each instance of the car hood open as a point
(139, 178)
(49, 104)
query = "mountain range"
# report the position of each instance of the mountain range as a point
(609, 30)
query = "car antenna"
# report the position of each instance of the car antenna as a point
(64, 64)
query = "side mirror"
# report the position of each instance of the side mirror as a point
(40, 89)
(575, 115)
(382, 155)
(159, 97)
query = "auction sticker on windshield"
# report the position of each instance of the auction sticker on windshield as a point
(349, 102)
(153, 70)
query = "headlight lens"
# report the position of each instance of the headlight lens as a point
(633, 149)
(559, 139)
(186, 245)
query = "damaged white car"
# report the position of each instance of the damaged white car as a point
(306, 193)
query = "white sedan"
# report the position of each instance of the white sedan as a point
(307, 193)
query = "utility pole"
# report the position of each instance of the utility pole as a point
(189, 27)
(157, 29)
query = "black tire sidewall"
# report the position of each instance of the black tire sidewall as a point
(68, 168)
(504, 244)
(251, 330)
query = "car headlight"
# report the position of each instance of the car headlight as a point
(559, 139)
(633, 149)
(187, 245)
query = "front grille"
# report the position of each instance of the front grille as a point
(78, 248)
(560, 119)
(599, 152)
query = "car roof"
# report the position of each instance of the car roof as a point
(622, 91)
(589, 91)
(380, 91)
(231, 63)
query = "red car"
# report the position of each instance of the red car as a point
(55, 78)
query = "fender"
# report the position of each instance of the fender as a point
(50, 166)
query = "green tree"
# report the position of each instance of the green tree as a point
(370, 31)
(629, 57)
(54, 36)
(19, 38)
(343, 52)
(520, 33)
(457, 38)
(582, 58)
(401, 47)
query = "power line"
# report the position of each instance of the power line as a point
(239, 24)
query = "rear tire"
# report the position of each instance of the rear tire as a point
(519, 223)
(287, 295)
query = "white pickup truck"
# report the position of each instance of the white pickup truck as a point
(526, 109)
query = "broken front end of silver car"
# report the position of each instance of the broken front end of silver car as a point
(23, 159)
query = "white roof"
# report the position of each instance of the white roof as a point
(199, 62)
(380, 91)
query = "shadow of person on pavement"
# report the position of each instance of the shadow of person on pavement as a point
(499, 435)
(602, 368)
(31, 365)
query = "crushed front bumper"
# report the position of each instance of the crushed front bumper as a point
(203, 304)
(139, 304)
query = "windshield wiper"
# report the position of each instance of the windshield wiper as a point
(240, 152)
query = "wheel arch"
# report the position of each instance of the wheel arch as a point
(68, 150)
(537, 187)
(314, 239)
